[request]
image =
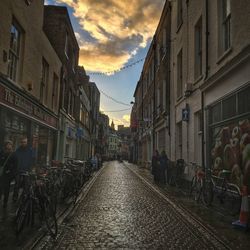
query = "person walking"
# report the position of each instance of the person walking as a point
(25, 162)
(163, 167)
(156, 166)
(8, 168)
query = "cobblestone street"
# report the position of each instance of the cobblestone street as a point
(122, 212)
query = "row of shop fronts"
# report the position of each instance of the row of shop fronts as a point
(49, 136)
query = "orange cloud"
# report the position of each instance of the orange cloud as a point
(118, 28)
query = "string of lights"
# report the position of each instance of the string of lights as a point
(117, 70)
(115, 110)
(113, 99)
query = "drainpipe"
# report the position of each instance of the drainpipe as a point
(154, 59)
(205, 77)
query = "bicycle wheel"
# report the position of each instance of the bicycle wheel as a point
(207, 193)
(198, 190)
(50, 218)
(21, 216)
(193, 186)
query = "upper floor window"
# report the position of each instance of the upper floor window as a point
(14, 51)
(44, 82)
(198, 48)
(225, 25)
(54, 92)
(179, 13)
(179, 74)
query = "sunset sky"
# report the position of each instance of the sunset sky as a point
(112, 34)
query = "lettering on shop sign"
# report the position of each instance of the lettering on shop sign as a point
(20, 103)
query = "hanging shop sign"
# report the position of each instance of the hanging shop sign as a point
(21, 104)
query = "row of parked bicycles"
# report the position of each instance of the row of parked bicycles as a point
(207, 186)
(43, 191)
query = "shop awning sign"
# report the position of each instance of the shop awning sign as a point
(23, 105)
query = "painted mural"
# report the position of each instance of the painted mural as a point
(231, 151)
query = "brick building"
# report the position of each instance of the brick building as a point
(57, 21)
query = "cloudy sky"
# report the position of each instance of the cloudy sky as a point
(113, 34)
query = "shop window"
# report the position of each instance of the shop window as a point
(243, 101)
(14, 51)
(229, 107)
(216, 113)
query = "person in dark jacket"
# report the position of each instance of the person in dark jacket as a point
(163, 167)
(8, 168)
(156, 166)
(25, 158)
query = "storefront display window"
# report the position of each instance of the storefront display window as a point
(230, 140)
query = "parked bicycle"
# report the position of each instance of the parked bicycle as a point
(33, 201)
(220, 187)
(197, 183)
(176, 173)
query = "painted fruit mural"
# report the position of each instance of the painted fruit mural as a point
(231, 151)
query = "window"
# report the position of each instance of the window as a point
(179, 13)
(243, 101)
(179, 75)
(198, 49)
(54, 92)
(216, 113)
(14, 52)
(225, 25)
(44, 82)
(229, 107)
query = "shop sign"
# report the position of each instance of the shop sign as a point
(23, 105)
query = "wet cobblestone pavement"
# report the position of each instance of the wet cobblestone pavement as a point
(123, 212)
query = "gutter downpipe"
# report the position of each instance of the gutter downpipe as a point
(202, 93)
(154, 57)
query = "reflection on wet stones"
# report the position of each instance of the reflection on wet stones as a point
(121, 211)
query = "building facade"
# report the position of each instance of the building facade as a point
(57, 21)
(94, 95)
(209, 82)
(29, 79)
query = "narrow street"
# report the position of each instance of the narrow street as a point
(121, 211)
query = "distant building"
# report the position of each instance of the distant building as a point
(94, 96)
(103, 133)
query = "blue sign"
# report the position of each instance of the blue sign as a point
(185, 114)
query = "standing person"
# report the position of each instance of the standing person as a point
(8, 167)
(94, 162)
(163, 166)
(25, 162)
(155, 166)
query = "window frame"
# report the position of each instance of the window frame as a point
(198, 48)
(14, 54)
